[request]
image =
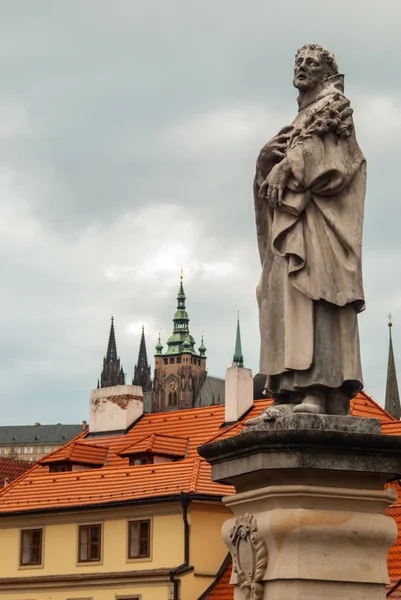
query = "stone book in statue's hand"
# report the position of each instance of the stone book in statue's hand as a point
(294, 202)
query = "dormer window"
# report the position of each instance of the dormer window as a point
(75, 456)
(140, 460)
(60, 468)
(156, 448)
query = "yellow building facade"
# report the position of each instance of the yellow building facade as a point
(119, 514)
(185, 552)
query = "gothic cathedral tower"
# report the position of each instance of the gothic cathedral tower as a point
(180, 372)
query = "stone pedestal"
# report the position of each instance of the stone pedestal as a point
(308, 513)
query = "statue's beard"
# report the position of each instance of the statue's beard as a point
(302, 84)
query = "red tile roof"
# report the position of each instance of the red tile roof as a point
(393, 591)
(117, 481)
(11, 468)
(220, 589)
(394, 556)
(170, 433)
(160, 445)
(77, 452)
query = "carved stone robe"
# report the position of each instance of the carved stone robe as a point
(310, 248)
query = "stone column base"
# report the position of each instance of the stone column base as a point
(308, 513)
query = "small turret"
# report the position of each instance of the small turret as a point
(238, 357)
(239, 384)
(159, 347)
(202, 349)
(186, 346)
(392, 404)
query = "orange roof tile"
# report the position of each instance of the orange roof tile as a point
(11, 468)
(394, 555)
(221, 589)
(77, 452)
(364, 405)
(161, 445)
(117, 481)
(394, 591)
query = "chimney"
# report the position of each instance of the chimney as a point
(114, 408)
(6, 481)
(239, 384)
(84, 425)
(238, 392)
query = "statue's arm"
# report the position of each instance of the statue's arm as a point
(324, 165)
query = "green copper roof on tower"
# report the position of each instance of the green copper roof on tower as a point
(181, 326)
(159, 346)
(238, 356)
(392, 403)
(181, 293)
(202, 348)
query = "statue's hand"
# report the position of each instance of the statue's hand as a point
(272, 189)
(275, 149)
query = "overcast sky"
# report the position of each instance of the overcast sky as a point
(129, 131)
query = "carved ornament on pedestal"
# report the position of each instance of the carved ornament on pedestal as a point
(249, 556)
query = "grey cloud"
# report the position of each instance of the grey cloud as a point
(104, 89)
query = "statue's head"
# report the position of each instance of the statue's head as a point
(313, 63)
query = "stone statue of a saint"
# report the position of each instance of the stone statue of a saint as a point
(309, 194)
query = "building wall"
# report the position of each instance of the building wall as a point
(206, 524)
(207, 552)
(29, 451)
(166, 542)
(187, 376)
(159, 591)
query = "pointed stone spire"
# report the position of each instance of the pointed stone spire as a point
(142, 374)
(238, 356)
(392, 404)
(112, 373)
(111, 354)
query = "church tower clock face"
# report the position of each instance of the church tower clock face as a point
(172, 386)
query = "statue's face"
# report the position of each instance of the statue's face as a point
(310, 68)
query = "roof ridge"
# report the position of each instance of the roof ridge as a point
(222, 432)
(173, 437)
(6, 489)
(194, 476)
(152, 441)
(142, 439)
(90, 445)
(379, 406)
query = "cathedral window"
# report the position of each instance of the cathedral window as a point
(172, 398)
(172, 361)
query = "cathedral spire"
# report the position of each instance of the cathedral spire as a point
(142, 375)
(111, 354)
(112, 373)
(392, 404)
(238, 356)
